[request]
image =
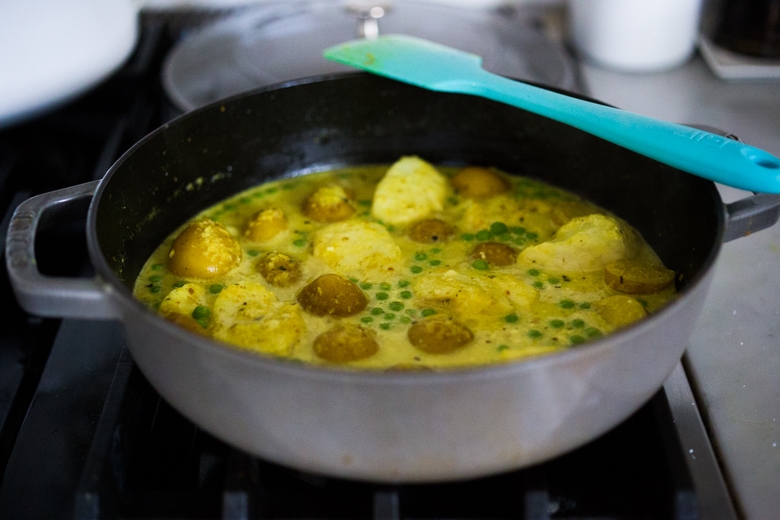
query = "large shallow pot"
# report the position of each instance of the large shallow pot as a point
(402, 427)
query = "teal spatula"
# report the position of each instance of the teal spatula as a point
(437, 67)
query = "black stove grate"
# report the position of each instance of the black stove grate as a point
(83, 435)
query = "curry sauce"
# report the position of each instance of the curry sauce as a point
(406, 266)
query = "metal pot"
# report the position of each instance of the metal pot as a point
(385, 427)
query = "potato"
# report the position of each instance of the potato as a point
(345, 343)
(332, 295)
(637, 277)
(250, 316)
(495, 253)
(355, 246)
(439, 335)
(430, 231)
(265, 225)
(474, 182)
(412, 189)
(329, 204)
(620, 310)
(583, 244)
(205, 249)
(279, 269)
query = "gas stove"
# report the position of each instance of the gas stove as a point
(83, 434)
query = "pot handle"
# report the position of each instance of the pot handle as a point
(45, 295)
(751, 214)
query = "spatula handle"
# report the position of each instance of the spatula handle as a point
(708, 155)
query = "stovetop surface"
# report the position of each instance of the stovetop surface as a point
(83, 435)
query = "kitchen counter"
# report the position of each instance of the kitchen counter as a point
(733, 360)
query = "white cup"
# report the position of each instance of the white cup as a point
(635, 35)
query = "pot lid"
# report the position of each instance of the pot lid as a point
(283, 41)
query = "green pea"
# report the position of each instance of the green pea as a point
(215, 288)
(154, 289)
(366, 319)
(435, 250)
(577, 324)
(533, 272)
(434, 263)
(538, 285)
(389, 316)
(468, 237)
(480, 265)
(376, 311)
(385, 286)
(553, 280)
(180, 283)
(157, 267)
(416, 269)
(577, 339)
(299, 243)
(403, 283)
(155, 279)
(484, 234)
(585, 305)
(592, 332)
(498, 228)
(366, 285)
(406, 295)
(384, 326)
(511, 318)
(420, 257)
(533, 333)
(532, 236)
(382, 296)
(518, 230)
(567, 304)
(253, 252)
(427, 312)
(396, 306)
(557, 324)
(405, 319)
(502, 347)
(201, 312)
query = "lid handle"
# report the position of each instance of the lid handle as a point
(368, 14)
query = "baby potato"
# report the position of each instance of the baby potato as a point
(583, 244)
(205, 249)
(332, 295)
(439, 335)
(250, 316)
(475, 182)
(329, 204)
(265, 225)
(412, 189)
(495, 253)
(620, 310)
(279, 269)
(430, 230)
(637, 277)
(346, 342)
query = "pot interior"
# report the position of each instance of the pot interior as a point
(356, 118)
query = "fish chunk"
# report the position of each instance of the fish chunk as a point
(411, 189)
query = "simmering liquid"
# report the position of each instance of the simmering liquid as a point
(405, 266)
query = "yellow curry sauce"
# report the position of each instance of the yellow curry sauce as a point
(407, 266)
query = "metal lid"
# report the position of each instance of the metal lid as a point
(284, 41)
